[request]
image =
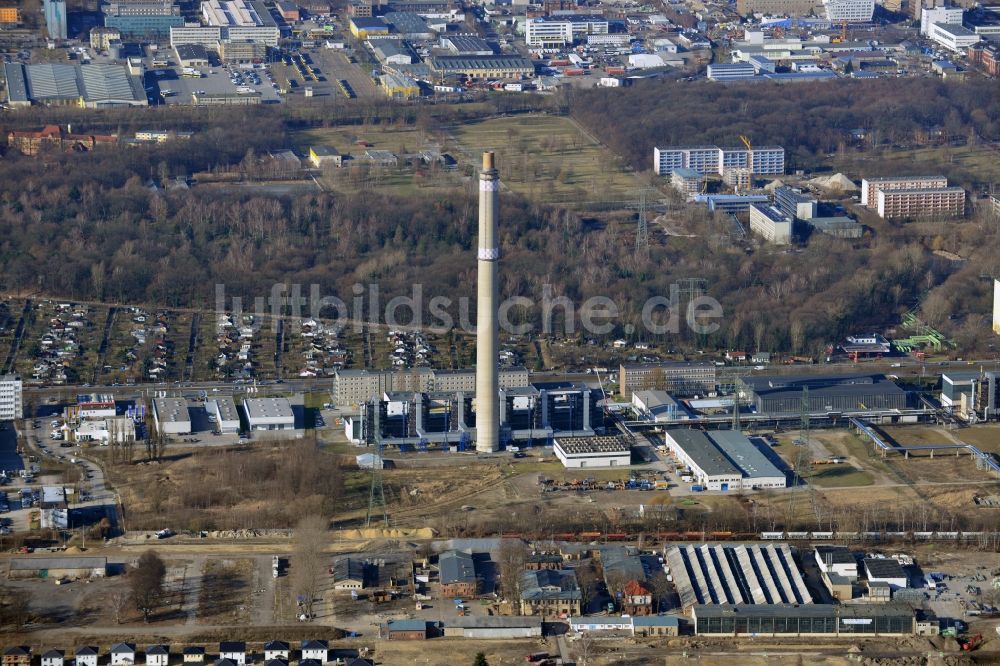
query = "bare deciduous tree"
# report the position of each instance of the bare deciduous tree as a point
(308, 559)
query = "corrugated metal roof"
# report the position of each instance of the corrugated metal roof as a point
(106, 83)
(53, 81)
(35, 563)
(17, 82)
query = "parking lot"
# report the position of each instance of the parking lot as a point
(336, 66)
(169, 86)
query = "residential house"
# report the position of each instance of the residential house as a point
(637, 599)
(157, 655)
(53, 658)
(192, 655)
(235, 651)
(404, 630)
(86, 656)
(19, 655)
(315, 649)
(550, 593)
(276, 650)
(457, 574)
(123, 654)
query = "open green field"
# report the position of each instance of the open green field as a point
(838, 476)
(549, 159)
(985, 437)
(980, 163)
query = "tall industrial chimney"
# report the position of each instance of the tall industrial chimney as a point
(487, 380)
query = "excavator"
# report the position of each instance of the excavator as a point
(971, 643)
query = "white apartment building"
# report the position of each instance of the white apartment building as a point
(766, 160)
(944, 15)
(852, 11)
(870, 187)
(771, 224)
(929, 202)
(11, 405)
(562, 30)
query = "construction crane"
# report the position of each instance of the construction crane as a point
(746, 142)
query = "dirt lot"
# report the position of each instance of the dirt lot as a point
(225, 591)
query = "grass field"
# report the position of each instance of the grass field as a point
(826, 476)
(978, 162)
(548, 159)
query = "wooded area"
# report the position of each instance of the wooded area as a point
(87, 225)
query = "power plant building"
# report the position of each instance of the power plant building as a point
(532, 414)
(826, 393)
(354, 387)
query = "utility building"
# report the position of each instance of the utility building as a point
(580, 452)
(826, 393)
(708, 465)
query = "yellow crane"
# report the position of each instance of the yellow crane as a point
(746, 142)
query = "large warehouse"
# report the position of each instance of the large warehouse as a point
(813, 620)
(269, 413)
(728, 574)
(778, 394)
(92, 86)
(171, 416)
(758, 471)
(582, 452)
(708, 465)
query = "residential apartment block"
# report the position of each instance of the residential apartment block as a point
(870, 187)
(926, 202)
(766, 160)
(10, 397)
(851, 11)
